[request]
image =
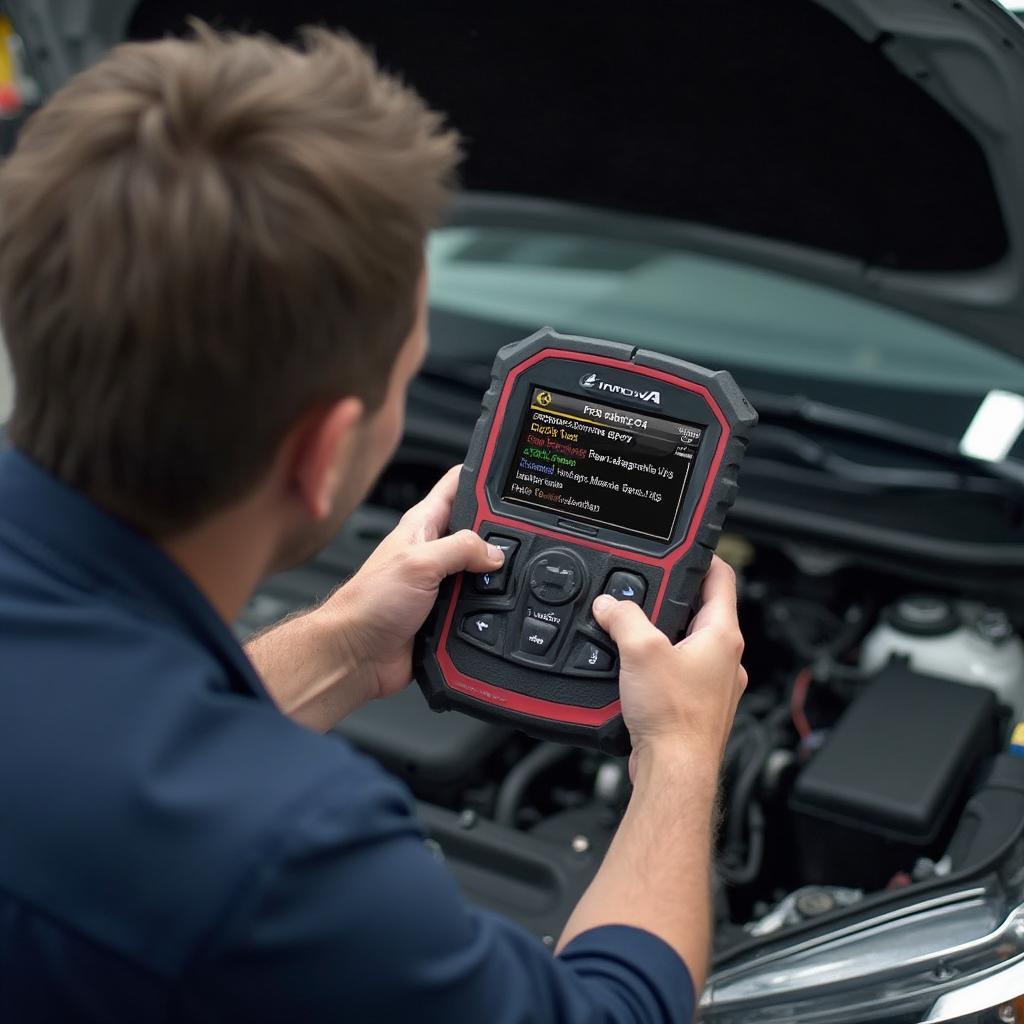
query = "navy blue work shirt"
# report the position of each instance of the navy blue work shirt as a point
(173, 848)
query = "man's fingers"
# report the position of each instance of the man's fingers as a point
(718, 609)
(429, 518)
(626, 623)
(429, 563)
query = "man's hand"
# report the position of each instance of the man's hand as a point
(358, 644)
(683, 695)
(380, 609)
(678, 702)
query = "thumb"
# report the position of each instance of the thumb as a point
(462, 551)
(626, 623)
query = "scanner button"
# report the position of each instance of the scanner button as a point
(496, 582)
(537, 637)
(491, 582)
(555, 577)
(626, 586)
(481, 626)
(591, 658)
(507, 544)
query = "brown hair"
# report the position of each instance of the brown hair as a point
(200, 241)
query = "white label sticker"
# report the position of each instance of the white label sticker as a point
(995, 428)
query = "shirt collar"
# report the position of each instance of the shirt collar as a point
(114, 559)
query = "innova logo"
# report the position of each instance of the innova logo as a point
(591, 380)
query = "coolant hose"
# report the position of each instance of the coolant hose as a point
(519, 779)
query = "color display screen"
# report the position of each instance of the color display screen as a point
(598, 463)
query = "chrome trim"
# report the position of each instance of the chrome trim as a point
(900, 962)
(868, 924)
(1006, 984)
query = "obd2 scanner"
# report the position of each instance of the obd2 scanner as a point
(597, 468)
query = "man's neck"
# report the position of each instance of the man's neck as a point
(226, 557)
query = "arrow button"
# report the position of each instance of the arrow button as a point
(626, 586)
(481, 626)
(497, 582)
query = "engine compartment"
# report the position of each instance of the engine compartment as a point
(868, 756)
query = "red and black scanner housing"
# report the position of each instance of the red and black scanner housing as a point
(471, 652)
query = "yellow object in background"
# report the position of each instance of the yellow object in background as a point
(11, 100)
(1017, 739)
(736, 550)
(6, 58)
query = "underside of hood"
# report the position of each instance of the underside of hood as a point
(877, 145)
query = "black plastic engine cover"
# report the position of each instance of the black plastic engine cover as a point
(424, 749)
(885, 788)
(533, 880)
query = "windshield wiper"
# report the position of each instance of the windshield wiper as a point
(812, 454)
(892, 433)
(456, 381)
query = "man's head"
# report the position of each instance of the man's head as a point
(211, 275)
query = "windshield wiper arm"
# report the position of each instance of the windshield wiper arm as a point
(807, 452)
(879, 428)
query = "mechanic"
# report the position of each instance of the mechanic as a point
(213, 294)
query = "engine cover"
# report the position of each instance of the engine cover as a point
(885, 787)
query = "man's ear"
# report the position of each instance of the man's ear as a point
(324, 448)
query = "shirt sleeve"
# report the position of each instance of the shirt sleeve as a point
(348, 917)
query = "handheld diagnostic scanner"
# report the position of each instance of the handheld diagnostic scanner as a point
(598, 468)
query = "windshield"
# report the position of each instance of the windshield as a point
(706, 309)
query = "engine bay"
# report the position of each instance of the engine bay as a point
(869, 754)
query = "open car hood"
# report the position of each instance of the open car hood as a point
(874, 145)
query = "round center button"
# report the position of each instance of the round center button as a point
(555, 576)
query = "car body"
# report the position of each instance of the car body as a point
(823, 196)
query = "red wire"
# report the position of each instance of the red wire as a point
(801, 685)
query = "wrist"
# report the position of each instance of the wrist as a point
(670, 761)
(677, 788)
(336, 632)
(312, 664)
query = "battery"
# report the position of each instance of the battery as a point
(886, 786)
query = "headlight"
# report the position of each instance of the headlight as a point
(959, 956)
